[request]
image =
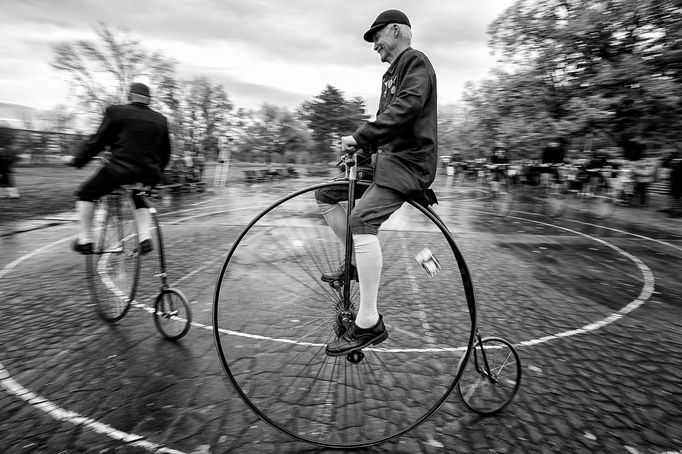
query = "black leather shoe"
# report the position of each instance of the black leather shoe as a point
(339, 274)
(84, 249)
(356, 338)
(146, 247)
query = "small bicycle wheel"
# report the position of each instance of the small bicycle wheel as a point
(273, 316)
(501, 197)
(555, 200)
(172, 314)
(492, 377)
(113, 267)
(600, 203)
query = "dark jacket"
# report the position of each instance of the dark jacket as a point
(138, 139)
(406, 126)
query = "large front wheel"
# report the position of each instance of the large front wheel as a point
(113, 267)
(273, 316)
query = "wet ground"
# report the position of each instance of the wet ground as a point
(594, 308)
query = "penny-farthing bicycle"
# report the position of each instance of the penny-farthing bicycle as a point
(273, 316)
(113, 269)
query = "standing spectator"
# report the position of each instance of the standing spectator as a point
(499, 161)
(8, 156)
(553, 153)
(676, 186)
(499, 154)
(645, 174)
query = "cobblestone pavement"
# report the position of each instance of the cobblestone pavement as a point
(593, 307)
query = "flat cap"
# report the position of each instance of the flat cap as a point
(391, 16)
(140, 89)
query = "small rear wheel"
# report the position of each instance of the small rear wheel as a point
(601, 204)
(501, 196)
(172, 314)
(555, 199)
(492, 377)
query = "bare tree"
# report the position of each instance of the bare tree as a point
(202, 115)
(102, 71)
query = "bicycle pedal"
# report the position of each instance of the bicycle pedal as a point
(355, 356)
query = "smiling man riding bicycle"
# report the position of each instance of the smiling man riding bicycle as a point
(404, 134)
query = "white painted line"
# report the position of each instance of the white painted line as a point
(645, 294)
(43, 404)
(60, 414)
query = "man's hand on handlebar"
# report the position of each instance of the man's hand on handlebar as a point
(348, 144)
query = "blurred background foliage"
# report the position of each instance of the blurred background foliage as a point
(590, 73)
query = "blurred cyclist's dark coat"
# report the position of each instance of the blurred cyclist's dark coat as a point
(138, 140)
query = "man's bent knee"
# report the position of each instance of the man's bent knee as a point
(358, 226)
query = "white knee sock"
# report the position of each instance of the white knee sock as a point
(85, 211)
(369, 263)
(335, 216)
(144, 223)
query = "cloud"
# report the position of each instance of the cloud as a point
(283, 50)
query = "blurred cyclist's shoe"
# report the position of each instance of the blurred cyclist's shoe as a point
(356, 338)
(146, 247)
(84, 249)
(339, 274)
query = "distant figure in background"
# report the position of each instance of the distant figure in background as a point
(676, 186)
(139, 144)
(599, 160)
(8, 156)
(645, 174)
(499, 154)
(498, 158)
(552, 155)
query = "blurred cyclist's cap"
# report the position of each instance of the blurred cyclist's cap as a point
(391, 16)
(140, 89)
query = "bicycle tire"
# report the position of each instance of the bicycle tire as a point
(501, 197)
(600, 203)
(272, 316)
(114, 266)
(488, 389)
(172, 314)
(555, 200)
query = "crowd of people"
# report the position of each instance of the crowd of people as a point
(630, 181)
(8, 156)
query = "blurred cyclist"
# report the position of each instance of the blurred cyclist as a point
(139, 144)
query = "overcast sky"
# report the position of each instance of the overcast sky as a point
(280, 52)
